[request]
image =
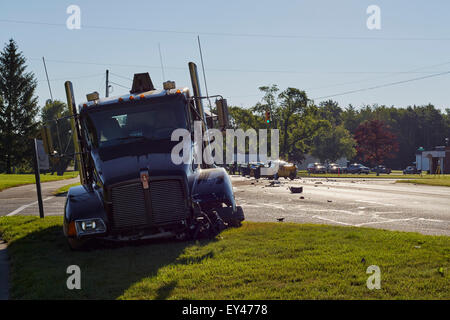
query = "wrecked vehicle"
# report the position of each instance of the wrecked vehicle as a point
(285, 170)
(130, 189)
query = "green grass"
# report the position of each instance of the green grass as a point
(256, 261)
(14, 180)
(64, 189)
(431, 180)
(396, 174)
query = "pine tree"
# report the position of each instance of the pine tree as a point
(18, 108)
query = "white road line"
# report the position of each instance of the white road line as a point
(385, 221)
(275, 206)
(431, 220)
(375, 202)
(326, 219)
(341, 211)
(25, 206)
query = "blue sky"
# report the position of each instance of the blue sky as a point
(321, 46)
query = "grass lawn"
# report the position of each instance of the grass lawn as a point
(14, 180)
(64, 189)
(396, 174)
(430, 180)
(255, 261)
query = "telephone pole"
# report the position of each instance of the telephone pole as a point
(107, 84)
(161, 60)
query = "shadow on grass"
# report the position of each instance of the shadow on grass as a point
(40, 260)
(61, 194)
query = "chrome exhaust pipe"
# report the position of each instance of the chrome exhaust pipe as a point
(196, 91)
(76, 131)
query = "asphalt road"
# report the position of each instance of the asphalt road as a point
(377, 203)
(23, 199)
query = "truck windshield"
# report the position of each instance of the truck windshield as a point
(134, 123)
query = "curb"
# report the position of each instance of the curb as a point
(4, 272)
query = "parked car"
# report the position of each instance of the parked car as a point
(381, 169)
(316, 168)
(358, 168)
(335, 168)
(412, 170)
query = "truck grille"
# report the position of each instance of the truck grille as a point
(168, 202)
(128, 206)
(167, 199)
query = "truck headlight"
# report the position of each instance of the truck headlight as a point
(90, 226)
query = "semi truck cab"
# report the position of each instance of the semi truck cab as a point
(130, 189)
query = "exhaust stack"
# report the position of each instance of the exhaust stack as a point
(76, 131)
(196, 91)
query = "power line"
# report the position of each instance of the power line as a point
(68, 77)
(383, 85)
(236, 70)
(381, 77)
(118, 84)
(120, 76)
(226, 34)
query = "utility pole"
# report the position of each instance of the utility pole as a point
(48, 81)
(107, 84)
(204, 76)
(161, 60)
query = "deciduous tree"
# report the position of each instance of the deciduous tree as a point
(375, 142)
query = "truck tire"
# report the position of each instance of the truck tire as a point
(232, 219)
(292, 175)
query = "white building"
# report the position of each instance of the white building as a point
(433, 161)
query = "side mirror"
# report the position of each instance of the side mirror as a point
(47, 140)
(222, 113)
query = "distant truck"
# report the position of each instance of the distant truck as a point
(130, 188)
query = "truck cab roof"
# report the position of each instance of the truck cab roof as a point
(130, 97)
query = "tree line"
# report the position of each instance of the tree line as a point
(373, 134)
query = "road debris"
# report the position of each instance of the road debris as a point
(273, 184)
(280, 219)
(296, 189)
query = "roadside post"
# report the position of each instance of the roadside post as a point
(37, 170)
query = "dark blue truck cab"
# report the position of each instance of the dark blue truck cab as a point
(130, 187)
